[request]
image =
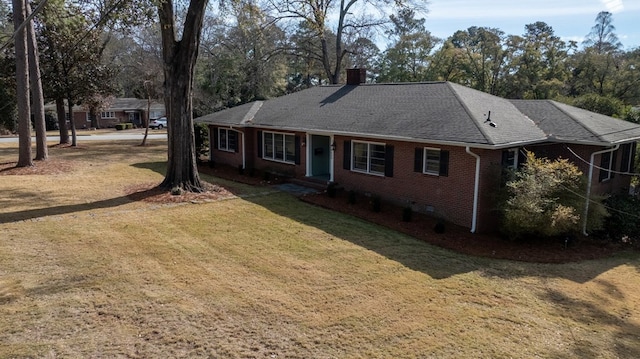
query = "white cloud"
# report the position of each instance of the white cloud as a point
(613, 6)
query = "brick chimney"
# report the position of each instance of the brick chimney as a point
(356, 76)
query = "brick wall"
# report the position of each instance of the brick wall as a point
(233, 159)
(580, 155)
(449, 197)
(252, 159)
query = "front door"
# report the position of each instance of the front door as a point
(320, 155)
(134, 117)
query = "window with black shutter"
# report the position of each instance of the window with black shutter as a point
(431, 161)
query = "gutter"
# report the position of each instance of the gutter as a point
(588, 195)
(474, 220)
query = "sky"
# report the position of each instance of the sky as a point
(570, 19)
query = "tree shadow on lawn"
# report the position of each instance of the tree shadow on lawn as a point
(435, 261)
(71, 208)
(624, 333)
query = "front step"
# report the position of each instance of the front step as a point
(310, 182)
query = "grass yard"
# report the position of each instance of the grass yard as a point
(85, 272)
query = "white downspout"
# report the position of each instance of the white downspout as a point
(474, 220)
(588, 196)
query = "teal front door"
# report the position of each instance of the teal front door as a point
(320, 154)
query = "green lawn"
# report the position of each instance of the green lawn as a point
(86, 272)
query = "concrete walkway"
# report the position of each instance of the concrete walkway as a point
(296, 190)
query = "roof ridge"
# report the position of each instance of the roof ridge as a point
(248, 117)
(386, 84)
(555, 104)
(476, 122)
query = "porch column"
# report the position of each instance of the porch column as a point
(331, 158)
(307, 149)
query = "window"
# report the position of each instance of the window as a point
(432, 161)
(368, 157)
(607, 161)
(279, 147)
(108, 114)
(227, 140)
(628, 150)
(510, 158)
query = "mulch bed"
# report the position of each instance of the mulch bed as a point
(460, 239)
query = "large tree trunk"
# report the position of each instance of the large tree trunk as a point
(22, 90)
(42, 153)
(93, 116)
(74, 141)
(179, 58)
(146, 119)
(62, 121)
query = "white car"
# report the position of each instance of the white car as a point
(158, 123)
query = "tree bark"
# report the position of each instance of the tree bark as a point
(62, 121)
(42, 153)
(146, 120)
(74, 141)
(22, 90)
(179, 58)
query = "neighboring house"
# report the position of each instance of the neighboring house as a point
(120, 110)
(438, 147)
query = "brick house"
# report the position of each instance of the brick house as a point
(121, 110)
(439, 147)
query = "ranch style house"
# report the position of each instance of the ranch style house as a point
(438, 147)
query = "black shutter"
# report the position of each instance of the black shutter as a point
(418, 160)
(604, 165)
(505, 158)
(236, 145)
(346, 158)
(624, 163)
(633, 157)
(259, 144)
(214, 139)
(297, 150)
(388, 161)
(444, 163)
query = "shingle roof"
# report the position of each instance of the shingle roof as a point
(572, 124)
(441, 112)
(127, 103)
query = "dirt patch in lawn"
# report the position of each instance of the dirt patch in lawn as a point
(150, 192)
(51, 166)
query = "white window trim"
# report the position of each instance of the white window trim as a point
(284, 147)
(368, 171)
(424, 161)
(227, 149)
(108, 114)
